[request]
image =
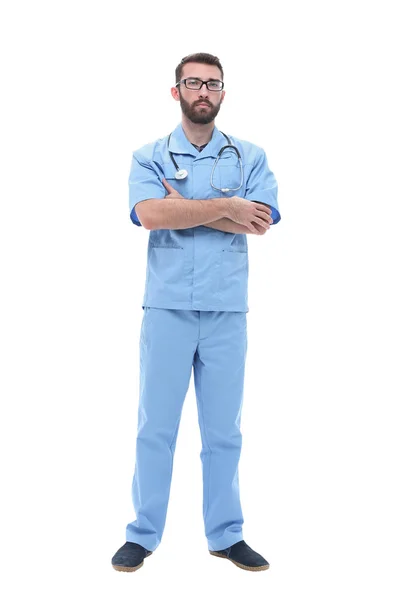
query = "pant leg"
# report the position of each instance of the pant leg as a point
(219, 368)
(167, 345)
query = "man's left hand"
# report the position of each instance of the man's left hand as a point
(261, 230)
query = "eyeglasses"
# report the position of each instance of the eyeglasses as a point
(193, 83)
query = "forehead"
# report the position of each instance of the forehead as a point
(201, 71)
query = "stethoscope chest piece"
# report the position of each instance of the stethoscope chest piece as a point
(181, 174)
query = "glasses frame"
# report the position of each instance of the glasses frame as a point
(202, 83)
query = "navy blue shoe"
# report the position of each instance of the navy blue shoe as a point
(130, 557)
(243, 556)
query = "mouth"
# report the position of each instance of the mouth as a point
(203, 104)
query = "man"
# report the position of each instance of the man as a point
(183, 190)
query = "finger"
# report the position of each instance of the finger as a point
(261, 222)
(259, 230)
(265, 216)
(264, 208)
(168, 186)
(262, 230)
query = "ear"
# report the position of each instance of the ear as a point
(223, 95)
(175, 93)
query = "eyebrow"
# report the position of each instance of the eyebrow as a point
(196, 77)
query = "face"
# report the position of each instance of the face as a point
(190, 100)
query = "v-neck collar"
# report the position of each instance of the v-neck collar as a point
(179, 144)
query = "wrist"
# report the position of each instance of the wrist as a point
(223, 206)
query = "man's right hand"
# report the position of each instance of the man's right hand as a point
(246, 212)
(172, 193)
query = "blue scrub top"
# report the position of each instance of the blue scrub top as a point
(199, 268)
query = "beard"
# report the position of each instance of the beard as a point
(199, 114)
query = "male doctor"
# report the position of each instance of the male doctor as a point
(198, 210)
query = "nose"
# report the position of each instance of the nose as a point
(203, 92)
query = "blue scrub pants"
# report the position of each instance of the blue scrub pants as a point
(173, 341)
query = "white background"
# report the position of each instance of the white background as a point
(84, 84)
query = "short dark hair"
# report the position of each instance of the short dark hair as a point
(199, 57)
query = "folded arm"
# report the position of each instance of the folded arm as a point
(226, 224)
(234, 215)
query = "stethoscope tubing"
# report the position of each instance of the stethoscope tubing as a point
(183, 173)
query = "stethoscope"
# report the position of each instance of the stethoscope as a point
(182, 173)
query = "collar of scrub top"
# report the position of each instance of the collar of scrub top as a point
(179, 144)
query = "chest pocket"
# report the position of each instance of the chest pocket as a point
(228, 173)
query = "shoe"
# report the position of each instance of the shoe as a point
(243, 556)
(130, 557)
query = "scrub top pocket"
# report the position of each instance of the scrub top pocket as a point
(229, 177)
(164, 238)
(168, 278)
(169, 262)
(233, 276)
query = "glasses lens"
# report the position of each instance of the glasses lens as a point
(193, 84)
(215, 85)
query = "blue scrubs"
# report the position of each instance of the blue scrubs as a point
(195, 304)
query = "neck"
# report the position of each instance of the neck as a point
(197, 133)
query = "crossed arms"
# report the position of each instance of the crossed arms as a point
(232, 215)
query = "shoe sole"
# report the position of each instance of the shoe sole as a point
(261, 568)
(129, 569)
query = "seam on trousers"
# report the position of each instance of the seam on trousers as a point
(170, 448)
(206, 441)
